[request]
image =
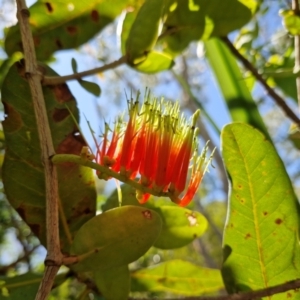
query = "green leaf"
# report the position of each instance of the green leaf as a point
(114, 283)
(6, 64)
(188, 21)
(280, 70)
(74, 65)
(115, 238)
(144, 31)
(261, 245)
(155, 62)
(126, 26)
(240, 103)
(23, 172)
(23, 286)
(294, 135)
(91, 87)
(58, 25)
(180, 226)
(177, 277)
(291, 21)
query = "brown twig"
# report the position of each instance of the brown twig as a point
(54, 257)
(247, 64)
(48, 80)
(252, 295)
(295, 7)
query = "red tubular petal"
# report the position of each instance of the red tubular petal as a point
(192, 189)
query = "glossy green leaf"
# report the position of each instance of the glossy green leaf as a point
(180, 226)
(144, 31)
(114, 283)
(115, 238)
(177, 277)
(155, 62)
(126, 23)
(23, 172)
(261, 245)
(240, 103)
(23, 286)
(188, 21)
(291, 21)
(59, 24)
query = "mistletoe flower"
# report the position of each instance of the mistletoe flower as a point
(157, 147)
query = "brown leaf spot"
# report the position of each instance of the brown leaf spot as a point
(278, 221)
(248, 235)
(13, 121)
(289, 295)
(265, 213)
(147, 214)
(62, 93)
(242, 201)
(58, 44)
(49, 7)
(60, 114)
(240, 186)
(71, 145)
(72, 29)
(95, 15)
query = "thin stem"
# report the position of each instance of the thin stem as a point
(54, 257)
(48, 80)
(295, 6)
(277, 289)
(247, 64)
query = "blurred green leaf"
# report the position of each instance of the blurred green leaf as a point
(127, 22)
(144, 31)
(114, 283)
(126, 234)
(261, 245)
(294, 135)
(91, 87)
(291, 21)
(74, 65)
(23, 172)
(280, 70)
(6, 65)
(155, 62)
(239, 100)
(188, 21)
(58, 25)
(177, 277)
(180, 226)
(23, 286)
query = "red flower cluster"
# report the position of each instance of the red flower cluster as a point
(157, 146)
